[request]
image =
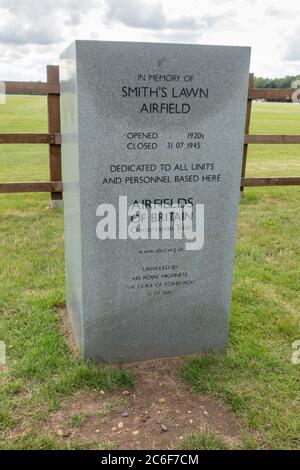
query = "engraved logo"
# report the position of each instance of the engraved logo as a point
(162, 61)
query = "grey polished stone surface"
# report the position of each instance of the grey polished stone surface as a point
(117, 313)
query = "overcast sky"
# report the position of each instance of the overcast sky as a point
(34, 33)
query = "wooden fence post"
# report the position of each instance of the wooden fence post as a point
(54, 127)
(247, 126)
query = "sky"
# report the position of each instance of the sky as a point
(34, 33)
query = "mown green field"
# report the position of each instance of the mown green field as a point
(273, 160)
(256, 378)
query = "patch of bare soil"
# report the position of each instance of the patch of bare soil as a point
(157, 414)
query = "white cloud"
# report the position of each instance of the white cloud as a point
(34, 33)
(278, 12)
(292, 50)
(39, 22)
(151, 15)
(136, 13)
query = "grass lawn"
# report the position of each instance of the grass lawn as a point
(256, 377)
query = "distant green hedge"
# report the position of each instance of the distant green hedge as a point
(286, 82)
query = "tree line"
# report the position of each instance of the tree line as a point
(284, 82)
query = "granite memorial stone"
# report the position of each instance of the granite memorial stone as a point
(152, 129)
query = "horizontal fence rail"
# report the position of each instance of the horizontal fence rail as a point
(55, 138)
(271, 181)
(30, 139)
(32, 187)
(272, 139)
(271, 93)
(57, 186)
(51, 89)
(31, 88)
(44, 88)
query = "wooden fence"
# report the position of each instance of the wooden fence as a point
(266, 93)
(50, 88)
(53, 137)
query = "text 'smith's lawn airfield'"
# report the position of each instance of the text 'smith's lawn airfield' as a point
(248, 398)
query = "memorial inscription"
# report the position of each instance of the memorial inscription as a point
(152, 152)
